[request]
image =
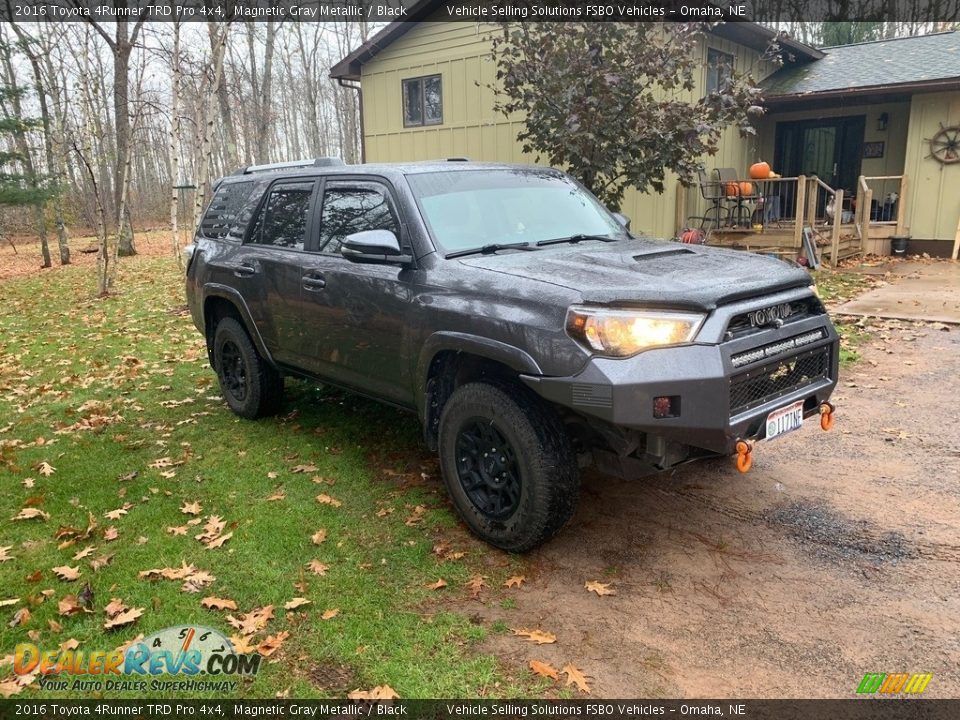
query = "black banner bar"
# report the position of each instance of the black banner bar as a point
(770, 11)
(854, 709)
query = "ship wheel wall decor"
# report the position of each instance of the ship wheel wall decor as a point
(945, 145)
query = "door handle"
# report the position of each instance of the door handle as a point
(244, 270)
(313, 282)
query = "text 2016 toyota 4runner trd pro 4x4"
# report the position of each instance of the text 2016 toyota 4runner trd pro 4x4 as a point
(520, 320)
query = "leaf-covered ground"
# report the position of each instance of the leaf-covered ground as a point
(133, 500)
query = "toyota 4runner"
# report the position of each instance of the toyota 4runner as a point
(532, 334)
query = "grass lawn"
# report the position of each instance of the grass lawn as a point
(834, 289)
(117, 449)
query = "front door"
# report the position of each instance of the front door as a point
(357, 317)
(829, 148)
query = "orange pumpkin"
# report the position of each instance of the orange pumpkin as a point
(760, 171)
(732, 189)
(746, 189)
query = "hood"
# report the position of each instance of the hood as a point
(654, 273)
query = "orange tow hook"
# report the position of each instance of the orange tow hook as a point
(744, 455)
(826, 416)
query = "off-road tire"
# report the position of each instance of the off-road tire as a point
(548, 474)
(251, 387)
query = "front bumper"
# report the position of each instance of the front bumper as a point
(716, 403)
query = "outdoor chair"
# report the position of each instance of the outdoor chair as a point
(739, 214)
(717, 212)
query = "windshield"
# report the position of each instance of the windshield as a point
(471, 209)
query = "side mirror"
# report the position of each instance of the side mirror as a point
(622, 219)
(373, 247)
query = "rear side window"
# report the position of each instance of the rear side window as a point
(348, 210)
(283, 220)
(221, 217)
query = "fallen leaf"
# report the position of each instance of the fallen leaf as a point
(215, 603)
(211, 529)
(10, 687)
(544, 669)
(318, 537)
(576, 677)
(273, 475)
(383, 512)
(318, 567)
(115, 607)
(124, 618)
(599, 588)
(272, 643)
(380, 692)
(67, 574)
(416, 517)
(20, 617)
(515, 581)
(8, 603)
(193, 508)
(100, 562)
(54, 626)
(69, 645)
(330, 614)
(118, 513)
(110, 534)
(46, 469)
(27, 482)
(69, 605)
(4, 553)
(325, 499)
(475, 584)
(178, 530)
(295, 603)
(440, 583)
(252, 622)
(86, 552)
(278, 495)
(540, 637)
(218, 542)
(304, 469)
(241, 645)
(32, 513)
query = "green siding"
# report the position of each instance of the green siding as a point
(933, 200)
(460, 52)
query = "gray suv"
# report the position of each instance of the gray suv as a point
(527, 328)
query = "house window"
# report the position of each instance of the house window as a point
(719, 69)
(422, 101)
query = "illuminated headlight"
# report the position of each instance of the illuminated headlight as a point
(620, 333)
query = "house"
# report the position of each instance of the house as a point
(849, 128)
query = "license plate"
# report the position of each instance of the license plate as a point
(785, 420)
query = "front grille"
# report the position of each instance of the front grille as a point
(742, 324)
(769, 382)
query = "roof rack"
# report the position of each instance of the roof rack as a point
(458, 159)
(315, 162)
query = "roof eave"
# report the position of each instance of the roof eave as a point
(907, 88)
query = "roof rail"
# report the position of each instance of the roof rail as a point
(316, 162)
(458, 159)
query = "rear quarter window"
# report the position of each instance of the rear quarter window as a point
(224, 217)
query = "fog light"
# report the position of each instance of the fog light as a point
(666, 406)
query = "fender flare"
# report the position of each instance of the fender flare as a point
(232, 296)
(513, 357)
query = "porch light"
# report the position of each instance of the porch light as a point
(882, 121)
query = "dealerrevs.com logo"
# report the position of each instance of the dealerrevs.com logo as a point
(202, 659)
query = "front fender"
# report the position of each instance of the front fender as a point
(512, 357)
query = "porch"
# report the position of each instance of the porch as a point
(796, 217)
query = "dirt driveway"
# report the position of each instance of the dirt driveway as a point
(837, 555)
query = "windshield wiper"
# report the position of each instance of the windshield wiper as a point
(492, 248)
(576, 239)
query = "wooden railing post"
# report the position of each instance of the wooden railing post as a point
(799, 208)
(858, 216)
(837, 217)
(902, 204)
(867, 211)
(813, 192)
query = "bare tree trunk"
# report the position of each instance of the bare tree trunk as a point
(23, 150)
(231, 153)
(86, 153)
(175, 144)
(206, 151)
